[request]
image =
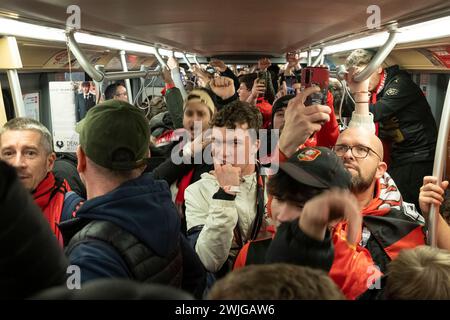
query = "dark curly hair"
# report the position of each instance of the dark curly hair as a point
(238, 112)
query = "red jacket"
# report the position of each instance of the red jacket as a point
(393, 225)
(49, 196)
(266, 110)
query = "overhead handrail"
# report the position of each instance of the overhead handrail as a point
(438, 167)
(187, 61)
(98, 75)
(319, 58)
(196, 62)
(380, 56)
(309, 58)
(159, 58)
(123, 60)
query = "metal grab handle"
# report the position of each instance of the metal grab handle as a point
(309, 58)
(196, 62)
(187, 61)
(381, 55)
(123, 60)
(439, 162)
(159, 58)
(318, 58)
(98, 75)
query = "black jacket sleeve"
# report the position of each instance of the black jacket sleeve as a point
(221, 103)
(31, 259)
(194, 274)
(291, 245)
(398, 94)
(170, 171)
(174, 102)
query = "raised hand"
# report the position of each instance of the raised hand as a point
(167, 77)
(264, 63)
(223, 87)
(227, 176)
(431, 194)
(301, 121)
(329, 208)
(219, 65)
(172, 63)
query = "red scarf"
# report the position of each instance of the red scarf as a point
(184, 183)
(49, 196)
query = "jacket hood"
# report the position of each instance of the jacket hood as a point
(143, 207)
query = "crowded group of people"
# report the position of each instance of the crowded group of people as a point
(201, 202)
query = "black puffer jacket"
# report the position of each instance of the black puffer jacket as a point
(31, 259)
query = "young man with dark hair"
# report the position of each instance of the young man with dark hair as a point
(84, 101)
(225, 208)
(307, 174)
(252, 91)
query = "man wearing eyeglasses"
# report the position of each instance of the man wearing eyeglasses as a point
(116, 91)
(389, 224)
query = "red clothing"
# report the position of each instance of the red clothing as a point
(49, 196)
(328, 134)
(353, 269)
(266, 110)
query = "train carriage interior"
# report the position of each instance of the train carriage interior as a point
(51, 50)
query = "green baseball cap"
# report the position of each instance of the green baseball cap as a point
(115, 135)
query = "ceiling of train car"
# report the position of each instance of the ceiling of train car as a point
(211, 28)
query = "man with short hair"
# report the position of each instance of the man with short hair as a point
(27, 145)
(253, 92)
(84, 101)
(129, 226)
(225, 208)
(116, 91)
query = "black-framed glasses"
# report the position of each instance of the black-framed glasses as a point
(358, 151)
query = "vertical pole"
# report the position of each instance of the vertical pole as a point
(123, 59)
(3, 118)
(16, 92)
(438, 168)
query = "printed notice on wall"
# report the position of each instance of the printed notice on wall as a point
(62, 105)
(31, 103)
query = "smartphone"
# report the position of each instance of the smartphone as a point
(262, 77)
(316, 76)
(262, 80)
(290, 81)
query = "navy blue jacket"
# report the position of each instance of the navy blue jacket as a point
(144, 208)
